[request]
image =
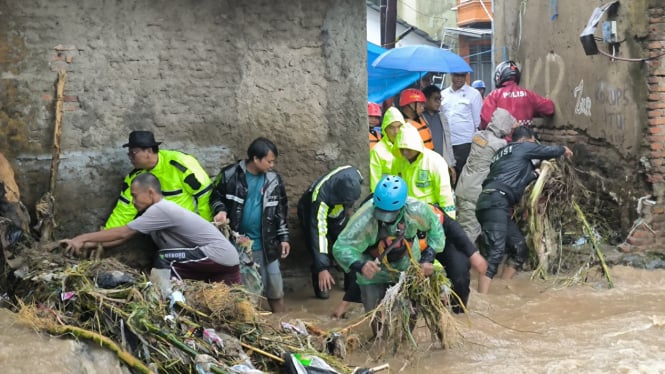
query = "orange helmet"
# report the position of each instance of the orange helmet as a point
(373, 110)
(411, 95)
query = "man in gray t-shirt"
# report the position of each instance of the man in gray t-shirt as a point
(189, 246)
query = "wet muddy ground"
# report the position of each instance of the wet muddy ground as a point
(522, 326)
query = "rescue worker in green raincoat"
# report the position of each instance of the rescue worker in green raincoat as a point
(379, 238)
(381, 155)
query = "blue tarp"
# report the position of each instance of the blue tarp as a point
(385, 83)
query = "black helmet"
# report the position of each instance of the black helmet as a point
(504, 71)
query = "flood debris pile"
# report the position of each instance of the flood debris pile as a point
(199, 327)
(415, 296)
(564, 228)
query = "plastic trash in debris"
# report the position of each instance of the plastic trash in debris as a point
(297, 326)
(176, 296)
(244, 369)
(297, 363)
(113, 279)
(373, 370)
(68, 295)
(170, 320)
(204, 363)
(580, 241)
(211, 337)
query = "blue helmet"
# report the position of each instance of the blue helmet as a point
(389, 197)
(478, 84)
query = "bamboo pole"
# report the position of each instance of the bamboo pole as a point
(536, 226)
(267, 354)
(57, 131)
(594, 243)
(105, 342)
(45, 209)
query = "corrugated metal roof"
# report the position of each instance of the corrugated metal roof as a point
(470, 32)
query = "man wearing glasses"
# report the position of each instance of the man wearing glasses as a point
(182, 179)
(461, 104)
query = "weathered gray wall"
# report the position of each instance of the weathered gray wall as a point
(600, 104)
(206, 76)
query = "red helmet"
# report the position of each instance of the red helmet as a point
(373, 110)
(411, 95)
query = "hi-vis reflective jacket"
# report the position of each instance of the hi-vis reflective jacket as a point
(183, 181)
(427, 176)
(323, 210)
(381, 156)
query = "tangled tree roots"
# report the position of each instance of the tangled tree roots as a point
(412, 296)
(554, 209)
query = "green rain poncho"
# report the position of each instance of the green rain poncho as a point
(362, 230)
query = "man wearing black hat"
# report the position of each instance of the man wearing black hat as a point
(182, 178)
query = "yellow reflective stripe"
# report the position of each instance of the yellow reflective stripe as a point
(315, 194)
(322, 227)
(336, 211)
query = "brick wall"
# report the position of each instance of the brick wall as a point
(648, 231)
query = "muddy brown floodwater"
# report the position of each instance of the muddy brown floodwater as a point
(522, 326)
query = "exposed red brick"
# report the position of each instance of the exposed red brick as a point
(656, 129)
(70, 98)
(47, 97)
(660, 154)
(639, 242)
(656, 121)
(655, 105)
(655, 45)
(656, 88)
(625, 248)
(642, 233)
(656, 138)
(658, 209)
(655, 97)
(656, 146)
(655, 178)
(655, 113)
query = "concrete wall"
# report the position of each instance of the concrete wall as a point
(206, 76)
(430, 16)
(601, 104)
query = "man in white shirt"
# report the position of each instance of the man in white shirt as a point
(461, 104)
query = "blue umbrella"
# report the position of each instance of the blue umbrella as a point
(422, 58)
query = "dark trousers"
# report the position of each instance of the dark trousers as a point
(500, 234)
(335, 227)
(192, 263)
(461, 153)
(455, 259)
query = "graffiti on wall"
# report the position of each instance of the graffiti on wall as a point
(613, 101)
(551, 69)
(606, 108)
(582, 103)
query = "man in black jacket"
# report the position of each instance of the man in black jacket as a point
(323, 211)
(510, 173)
(252, 198)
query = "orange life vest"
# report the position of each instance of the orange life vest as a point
(374, 137)
(424, 132)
